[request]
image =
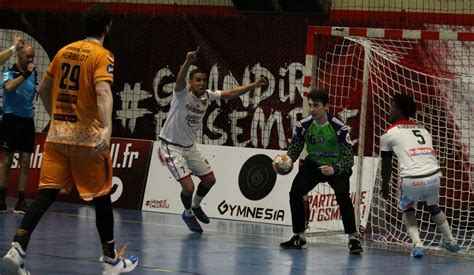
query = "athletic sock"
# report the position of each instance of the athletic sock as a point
(411, 224)
(201, 192)
(352, 236)
(302, 236)
(108, 249)
(443, 226)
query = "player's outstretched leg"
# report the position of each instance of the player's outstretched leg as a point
(113, 261)
(449, 243)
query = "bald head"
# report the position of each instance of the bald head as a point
(26, 49)
(26, 54)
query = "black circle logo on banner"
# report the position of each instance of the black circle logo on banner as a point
(257, 177)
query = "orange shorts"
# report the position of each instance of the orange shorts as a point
(65, 165)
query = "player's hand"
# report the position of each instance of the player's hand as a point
(18, 41)
(29, 70)
(262, 81)
(327, 170)
(31, 67)
(103, 143)
(192, 56)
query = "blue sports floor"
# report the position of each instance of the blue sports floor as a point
(66, 242)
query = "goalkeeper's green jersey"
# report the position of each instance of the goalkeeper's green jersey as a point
(328, 144)
(321, 144)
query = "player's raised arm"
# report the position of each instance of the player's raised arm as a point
(16, 45)
(191, 57)
(238, 91)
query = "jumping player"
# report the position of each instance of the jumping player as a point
(178, 150)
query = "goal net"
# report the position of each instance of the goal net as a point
(363, 68)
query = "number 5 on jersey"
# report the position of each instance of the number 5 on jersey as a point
(421, 139)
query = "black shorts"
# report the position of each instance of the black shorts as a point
(17, 134)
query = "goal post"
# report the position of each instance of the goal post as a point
(363, 68)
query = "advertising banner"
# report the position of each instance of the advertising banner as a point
(245, 188)
(130, 159)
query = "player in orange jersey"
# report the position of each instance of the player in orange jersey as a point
(76, 91)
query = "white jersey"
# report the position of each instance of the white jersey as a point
(185, 116)
(413, 146)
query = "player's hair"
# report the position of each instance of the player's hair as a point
(95, 19)
(405, 104)
(319, 95)
(196, 71)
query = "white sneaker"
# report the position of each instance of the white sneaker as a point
(14, 260)
(118, 265)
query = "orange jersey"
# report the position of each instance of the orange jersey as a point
(75, 70)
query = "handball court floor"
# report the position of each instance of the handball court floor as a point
(66, 242)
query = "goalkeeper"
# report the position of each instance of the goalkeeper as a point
(419, 171)
(329, 159)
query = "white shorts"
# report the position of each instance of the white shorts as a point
(183, 162)
(413, 190)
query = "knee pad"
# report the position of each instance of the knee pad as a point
(434, 210)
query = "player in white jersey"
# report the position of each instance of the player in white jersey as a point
(419, 171)
(178, 149)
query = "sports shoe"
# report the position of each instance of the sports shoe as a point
(296, 242)
(3, 207)
(417, 251)
(200, 215)
(192, 223)
(355, 247)
(120, 264)
(14, 260)
(20, 208)
(451, 246)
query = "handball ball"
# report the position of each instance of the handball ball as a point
(282, 164)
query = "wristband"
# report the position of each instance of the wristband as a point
(13, 49)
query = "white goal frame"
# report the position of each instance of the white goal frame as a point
(311, 70)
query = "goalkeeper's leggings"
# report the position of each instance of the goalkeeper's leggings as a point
(309, 175)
